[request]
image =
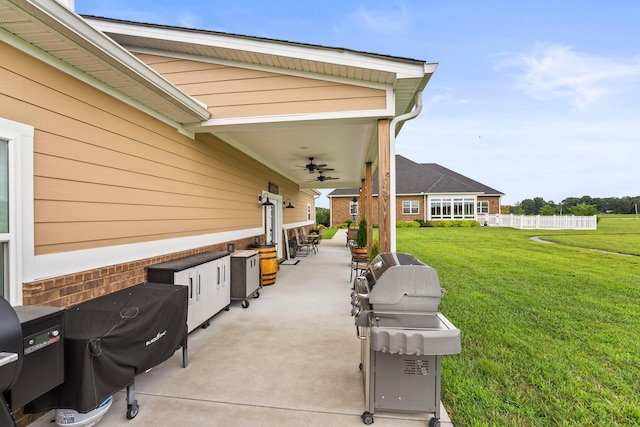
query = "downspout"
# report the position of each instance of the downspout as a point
(392, 166)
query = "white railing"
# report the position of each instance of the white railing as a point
(543, 222)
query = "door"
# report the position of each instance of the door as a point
(273, 222)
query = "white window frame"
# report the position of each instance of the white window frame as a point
(449, 207)
(483, 206)
(19, 240)
(308, 211)
(411, 207)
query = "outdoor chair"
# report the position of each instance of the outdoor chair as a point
(359, 263)
(351, 236)
(308, 239)
(301, 244)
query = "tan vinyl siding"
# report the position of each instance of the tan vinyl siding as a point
(107, 174)
(237, 92)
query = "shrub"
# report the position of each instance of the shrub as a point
(375, 250)
(583, 210)
(407, 224)
(361, 237)
(453, 223)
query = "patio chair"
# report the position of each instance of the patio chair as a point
(359, 263)
(308, 239)
(302, 244)
(351, 236)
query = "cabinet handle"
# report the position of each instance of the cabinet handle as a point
(190, 287)
(218, 275)
(198, 286)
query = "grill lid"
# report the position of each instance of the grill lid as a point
(391, 277)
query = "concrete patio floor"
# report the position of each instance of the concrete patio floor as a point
(290, 359)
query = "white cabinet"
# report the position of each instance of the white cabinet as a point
(207, 276)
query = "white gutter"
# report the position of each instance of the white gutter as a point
(392, 166)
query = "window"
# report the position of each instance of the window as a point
(308, 212)
(483, 206)
(16, 206)
(452, 208)
(410, 207)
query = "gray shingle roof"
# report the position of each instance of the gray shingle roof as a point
(428, 178)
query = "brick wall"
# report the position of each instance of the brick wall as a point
(494, 203)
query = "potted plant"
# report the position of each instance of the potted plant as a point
(360, 244)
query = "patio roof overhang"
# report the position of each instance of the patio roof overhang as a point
(344, 140)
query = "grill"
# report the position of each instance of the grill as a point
(31, 355)
(403, 336)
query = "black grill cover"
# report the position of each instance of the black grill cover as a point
(112, 338)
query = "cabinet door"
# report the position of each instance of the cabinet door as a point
(253, 274)
(207, 292)
(225, 282)
(188, 278)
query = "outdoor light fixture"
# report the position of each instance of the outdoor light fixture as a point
(265, 202)
(289, 205)
(354, 215)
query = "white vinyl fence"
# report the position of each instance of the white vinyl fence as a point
(542, 222)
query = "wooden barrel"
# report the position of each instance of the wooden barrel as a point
(268, 263)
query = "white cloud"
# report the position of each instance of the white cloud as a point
(550, 72)
(188, 20)
(381, 21)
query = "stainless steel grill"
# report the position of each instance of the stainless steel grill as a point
(395, 304)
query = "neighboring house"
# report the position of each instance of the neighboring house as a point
(425, 191)
(125, 144)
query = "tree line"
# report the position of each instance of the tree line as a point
(584, 205)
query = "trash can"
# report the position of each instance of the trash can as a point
(292, 248)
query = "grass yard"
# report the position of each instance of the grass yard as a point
(550, 332)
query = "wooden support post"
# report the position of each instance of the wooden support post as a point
(384, 185)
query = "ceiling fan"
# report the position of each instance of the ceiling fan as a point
(312, 167)
(322, 178)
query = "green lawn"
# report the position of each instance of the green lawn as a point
(550, 332)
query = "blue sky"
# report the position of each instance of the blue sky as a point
(533, 98)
